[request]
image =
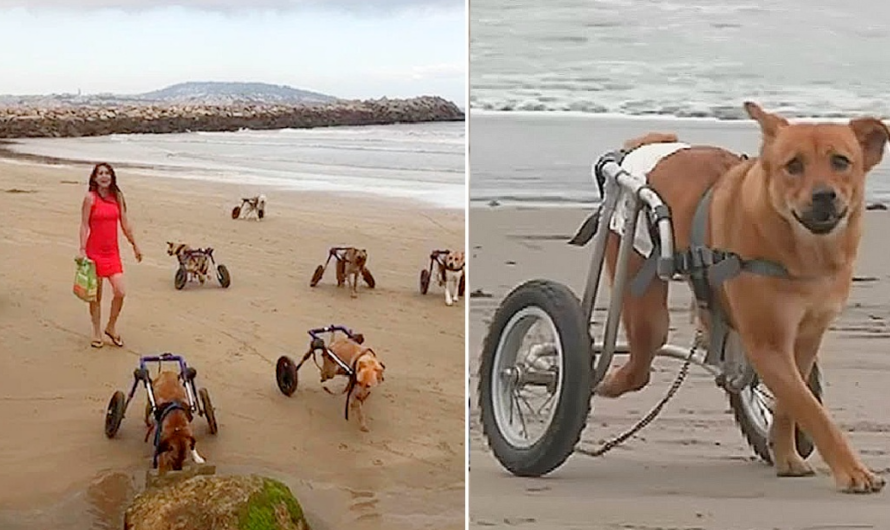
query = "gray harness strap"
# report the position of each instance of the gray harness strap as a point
(707, 269)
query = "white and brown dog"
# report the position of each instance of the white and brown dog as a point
(249, 205)
(196, 263)
(350, 265)
(176, 440)
(452, 275)
(367, 369)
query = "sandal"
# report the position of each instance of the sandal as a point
(116, 340)
(97, 344)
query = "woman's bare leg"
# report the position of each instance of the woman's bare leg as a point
(117, 302)
(96, 313)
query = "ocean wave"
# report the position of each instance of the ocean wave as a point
(647, 108)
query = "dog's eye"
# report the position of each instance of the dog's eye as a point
(795, 167)
(839, 162)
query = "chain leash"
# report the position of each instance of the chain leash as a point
(656, 410)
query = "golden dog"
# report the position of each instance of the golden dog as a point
(352, 265)
(176, 441)
(799, 204)
(452, 274)
(367, 367)
(196, 263)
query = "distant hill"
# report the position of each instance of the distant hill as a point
(195, 92)
(225, 92)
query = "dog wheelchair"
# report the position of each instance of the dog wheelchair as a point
(253, 204)
(339, 254)
(183, 275)
(198, 400)
(438, 257)
(286, 371)
(564, 370)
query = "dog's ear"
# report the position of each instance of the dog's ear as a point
(769, 123)
(872, 135)
(358, 338)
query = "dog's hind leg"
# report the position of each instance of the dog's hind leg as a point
(646, 322)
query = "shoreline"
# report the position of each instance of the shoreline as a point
(9, 155)
(537, 158)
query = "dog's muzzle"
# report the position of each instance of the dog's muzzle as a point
(823, 214)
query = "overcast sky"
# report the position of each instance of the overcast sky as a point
(345, 48)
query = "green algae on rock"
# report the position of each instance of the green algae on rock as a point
(217, 503)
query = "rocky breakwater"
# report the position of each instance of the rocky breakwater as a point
(75, 121)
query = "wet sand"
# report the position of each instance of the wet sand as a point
(58, 468)
(691, 468)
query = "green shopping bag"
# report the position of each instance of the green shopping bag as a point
(86, 284)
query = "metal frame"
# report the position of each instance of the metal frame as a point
(619, 184)
(142, 374)
(333, 328)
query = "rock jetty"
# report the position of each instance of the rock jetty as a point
(74, 121)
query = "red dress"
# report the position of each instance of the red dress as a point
(102, 245)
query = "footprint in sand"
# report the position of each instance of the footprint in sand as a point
(365, 504)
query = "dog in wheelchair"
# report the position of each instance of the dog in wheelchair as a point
(451, 271)
(197, 264)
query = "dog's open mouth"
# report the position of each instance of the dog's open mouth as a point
(820, 223)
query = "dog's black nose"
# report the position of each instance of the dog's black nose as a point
(824, 195)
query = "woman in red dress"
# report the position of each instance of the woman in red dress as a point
(103, 208)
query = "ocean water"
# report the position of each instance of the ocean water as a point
(422, 162)
(544, 159)
(680, 57)
(554, 84)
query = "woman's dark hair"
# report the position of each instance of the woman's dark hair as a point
(117, 191)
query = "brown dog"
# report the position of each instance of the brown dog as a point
(196, 263)
(367, 367)
(799, 204)
(352, 265)
(177, 440)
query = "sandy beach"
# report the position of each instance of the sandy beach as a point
(58, 468)
(691, 468)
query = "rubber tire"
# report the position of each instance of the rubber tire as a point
(570, 416)
(286, 375)
(316, 276)
(209, 411)
(424, 281)
(236, 212)
(180, 279)
(369, 279)
(461, 287)
(115, 413)
(760, 441)
(223, 276)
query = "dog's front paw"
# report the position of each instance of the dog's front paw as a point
(858, 479)
(354, 294)
(363, 428)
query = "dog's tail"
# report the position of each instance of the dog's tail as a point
(649, 138)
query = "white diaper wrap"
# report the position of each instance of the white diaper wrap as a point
(640, 162)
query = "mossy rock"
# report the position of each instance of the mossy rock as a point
(217, 503)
